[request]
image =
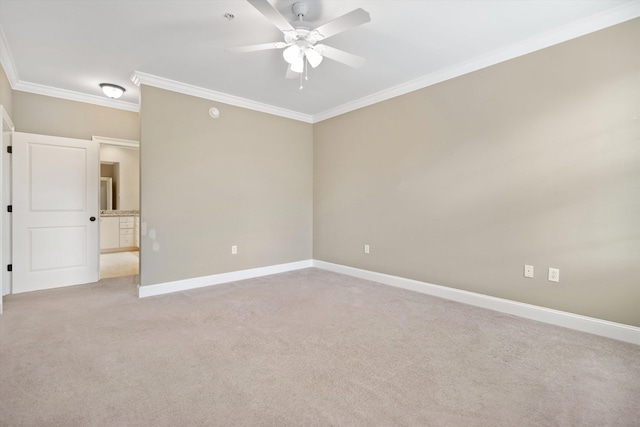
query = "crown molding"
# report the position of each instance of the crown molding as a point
(16, 84)
(586, 26)
(6, 120)
(629, 10)
(7, 60)
(105, 140)
(160, 82)
(75, 96)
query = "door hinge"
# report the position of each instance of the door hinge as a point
(10, 267)
(9, 149)
(9, 208)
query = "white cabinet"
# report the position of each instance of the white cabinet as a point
(118, 233)
(109, 232)
(126, 231)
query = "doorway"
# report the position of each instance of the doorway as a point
(119, 207)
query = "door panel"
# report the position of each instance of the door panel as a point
(57, 247)
(55, 193)
(57, 178)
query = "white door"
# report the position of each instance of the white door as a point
(55, 212)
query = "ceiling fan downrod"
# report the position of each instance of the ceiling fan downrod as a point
(300, 9)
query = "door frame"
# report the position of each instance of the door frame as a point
(6, 129)
(120, 143)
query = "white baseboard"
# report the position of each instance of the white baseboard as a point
(617, 331)
(217, 279)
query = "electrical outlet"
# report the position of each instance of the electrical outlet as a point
(554, 274)
(528, 271)
(366, 249)
(234, 250)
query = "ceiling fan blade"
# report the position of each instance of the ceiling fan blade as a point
(291, 74)
(272, 14)
(339, 55)
(255, 47)
(343, 23)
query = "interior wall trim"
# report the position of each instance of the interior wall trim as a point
(624, 12)
(160, 82)
(70, 95)
(7, 61)
(609, 18)
(104, 140)
(6, 119)
(218, 279)
(604, 328)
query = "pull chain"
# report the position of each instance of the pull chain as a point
(306, 72)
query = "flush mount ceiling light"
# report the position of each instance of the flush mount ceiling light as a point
(111, 90)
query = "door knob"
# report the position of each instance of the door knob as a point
(93, 218)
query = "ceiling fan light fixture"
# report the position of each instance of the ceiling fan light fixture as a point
(313, 57)
(292, 54)
(111, 90)
(298, 65)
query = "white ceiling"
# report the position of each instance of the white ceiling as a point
(66, 48)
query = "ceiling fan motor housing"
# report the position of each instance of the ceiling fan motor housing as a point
(300, 9)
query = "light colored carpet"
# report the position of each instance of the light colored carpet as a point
(116, 264)
(305, 348)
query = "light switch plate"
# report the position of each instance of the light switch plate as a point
(528, 271)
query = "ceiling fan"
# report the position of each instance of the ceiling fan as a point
(301, 40)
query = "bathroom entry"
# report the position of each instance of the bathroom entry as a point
(119, 208)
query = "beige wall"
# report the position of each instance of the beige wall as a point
(532, 161)
(6, 93)
(59, 117)
(244, 179)
(128, 179)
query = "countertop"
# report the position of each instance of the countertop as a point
(119, 213)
